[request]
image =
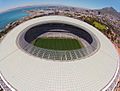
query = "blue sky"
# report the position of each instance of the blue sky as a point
(6, 4)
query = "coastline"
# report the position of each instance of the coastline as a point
(83, 14)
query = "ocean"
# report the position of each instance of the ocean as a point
(15, 14)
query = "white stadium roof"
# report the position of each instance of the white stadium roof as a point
(24, 72)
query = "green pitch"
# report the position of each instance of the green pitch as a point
(57, 43)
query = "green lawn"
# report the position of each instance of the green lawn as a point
(96, 24)
(57, 43)
(99, 26)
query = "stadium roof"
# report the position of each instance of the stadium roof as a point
(24, 72)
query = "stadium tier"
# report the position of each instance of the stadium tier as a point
(25, 66)
(25, 42)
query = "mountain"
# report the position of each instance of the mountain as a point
(110, 11)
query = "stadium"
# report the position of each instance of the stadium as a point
(57, 53)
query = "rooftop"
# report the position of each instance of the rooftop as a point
(25, 72)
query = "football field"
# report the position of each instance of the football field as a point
(58, 43)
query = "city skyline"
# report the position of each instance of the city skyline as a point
(92, 4)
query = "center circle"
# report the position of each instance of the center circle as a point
(57, 41)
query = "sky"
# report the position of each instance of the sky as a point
(92, 4)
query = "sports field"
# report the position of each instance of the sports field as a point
(99, 26)
(96, 24)
(57, 43)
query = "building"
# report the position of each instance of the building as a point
(25, 67)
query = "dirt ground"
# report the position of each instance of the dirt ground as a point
(118, 85)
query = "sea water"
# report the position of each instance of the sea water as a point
(15, 14)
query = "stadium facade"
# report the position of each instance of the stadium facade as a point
(26, 67)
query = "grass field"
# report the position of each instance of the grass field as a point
(57, 43)
(99, 26)
(96, 24)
